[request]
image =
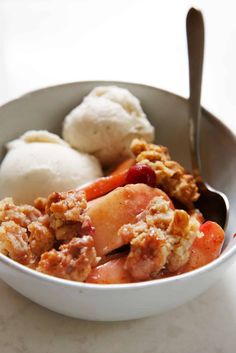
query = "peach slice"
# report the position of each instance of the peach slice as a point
(207, 248)
(112, 272)
(121, 206)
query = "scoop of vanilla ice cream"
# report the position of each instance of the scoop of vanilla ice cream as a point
(105, 123)
(36, 136)
(39, 163)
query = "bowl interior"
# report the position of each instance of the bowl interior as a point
(46, 109)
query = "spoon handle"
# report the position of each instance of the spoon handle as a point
(195, 39)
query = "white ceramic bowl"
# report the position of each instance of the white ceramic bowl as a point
(45, 109)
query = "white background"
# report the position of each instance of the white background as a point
(49, 42)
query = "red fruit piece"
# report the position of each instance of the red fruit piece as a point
(102, 186)
(141, 173)
(207, 248)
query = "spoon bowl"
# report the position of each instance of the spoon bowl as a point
(213, 204)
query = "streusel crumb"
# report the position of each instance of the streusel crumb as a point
(67, 213)
(161, 238)
(14, 242)
(73, 261)
(170, 175)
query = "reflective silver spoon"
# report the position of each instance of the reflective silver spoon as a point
(212, 203)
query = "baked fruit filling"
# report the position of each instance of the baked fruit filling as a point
(118, 229)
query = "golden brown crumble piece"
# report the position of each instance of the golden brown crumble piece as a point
(14, 242)
(25, 233)
(158, 213)
(41, 238)
(67, 213)
(28, 234)
(183, 229)
(73, 261)
(22, 215)
(40, 203)
(148, 254)
(67, 206)
(161, 238)
(170, 175)
(156, 152)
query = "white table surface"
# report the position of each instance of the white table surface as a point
(47, 42)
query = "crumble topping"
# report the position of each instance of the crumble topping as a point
(161, 238)
(170, 175)
(22, 215)
(14, 242)
(41, 238)
(67, 214)
(40, 203)
(72, 261)
(29, 234)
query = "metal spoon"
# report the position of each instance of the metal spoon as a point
(212, 203)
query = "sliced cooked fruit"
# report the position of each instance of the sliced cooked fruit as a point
(207, 248)
(112, 272)
(121, 206)
(104, 185)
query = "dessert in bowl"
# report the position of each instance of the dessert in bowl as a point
(122, 282)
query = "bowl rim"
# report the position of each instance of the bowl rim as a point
(223, 258)
(109, 82)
